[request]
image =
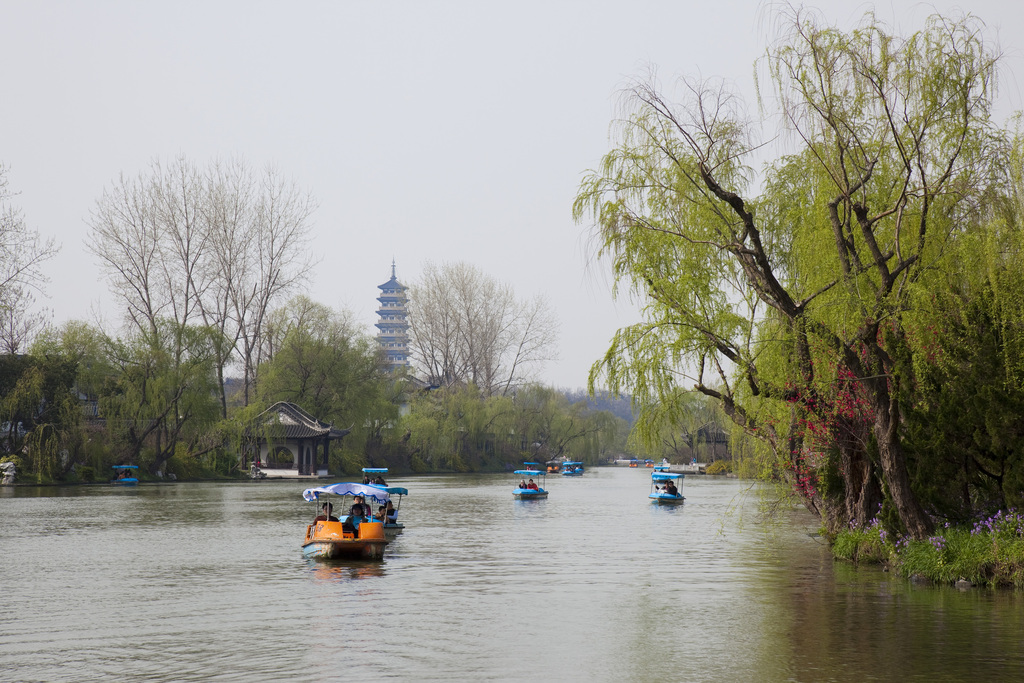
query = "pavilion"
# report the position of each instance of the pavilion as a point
(289, 443)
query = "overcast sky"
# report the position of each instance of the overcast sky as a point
(427, 131)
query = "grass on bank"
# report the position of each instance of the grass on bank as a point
(989, 553)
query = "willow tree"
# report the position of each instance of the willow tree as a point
(782, 294)
(160, 399)
(965, 426)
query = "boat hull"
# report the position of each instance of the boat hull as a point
(662, 499)
(392, 530)
(329, 540)
(529, 495)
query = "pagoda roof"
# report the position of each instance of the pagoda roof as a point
(393, 283)
(297, 423)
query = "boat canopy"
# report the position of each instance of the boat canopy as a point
(392, 490)
(345, 488)
(125, 467)
(572, 462)
(375, 470)
(530, 472)
(666, 476)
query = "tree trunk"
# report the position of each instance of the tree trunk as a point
(862, 493)
(897, 478)
(223, 391)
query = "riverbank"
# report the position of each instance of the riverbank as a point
(989, 553)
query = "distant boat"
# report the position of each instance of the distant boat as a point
(530, 490)
(125, 475)
(392, 527)
(666, 488)
(329, 537)
(572, 468)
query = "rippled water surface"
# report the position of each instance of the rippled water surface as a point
(206, 581)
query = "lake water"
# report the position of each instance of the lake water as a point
(205, 581)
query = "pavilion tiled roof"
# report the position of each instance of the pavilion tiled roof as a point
(297, 423)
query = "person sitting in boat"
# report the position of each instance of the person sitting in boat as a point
(531, 485)
(326, 514)
(379, 514)
(671, 489)
(390, 513)
(356, 514)
(379, 480)
(366, 479)
(522, 483)
(359, 511)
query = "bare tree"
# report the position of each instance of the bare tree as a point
(131, 236)
(276, 261)
(228, 212)
(215, 247)
(467, 327)
(22, 253)
(19, 324)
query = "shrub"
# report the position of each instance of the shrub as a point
(183, 464)
(719, 467)
(870, 544)
(991, 552)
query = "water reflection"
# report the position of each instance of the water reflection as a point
(339, 571)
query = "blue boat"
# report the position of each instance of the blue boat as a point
(531, 490)
(666, 487)
(572, 468)
(124, 475)
(330, 537)
(392, 527)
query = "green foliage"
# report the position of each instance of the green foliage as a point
(161, 396)
(84, 345)
(964, 421)
(463, 431)
(719, 467)
(790, 307)
(40, 413)
(347, 463)
(184, 464)
(333, 373)
(989, 553)
(869, 544)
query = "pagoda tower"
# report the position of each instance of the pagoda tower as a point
(393, 326)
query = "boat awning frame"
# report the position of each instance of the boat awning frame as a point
(345, 488)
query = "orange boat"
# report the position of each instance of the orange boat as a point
(355, 539)
(331, 540)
